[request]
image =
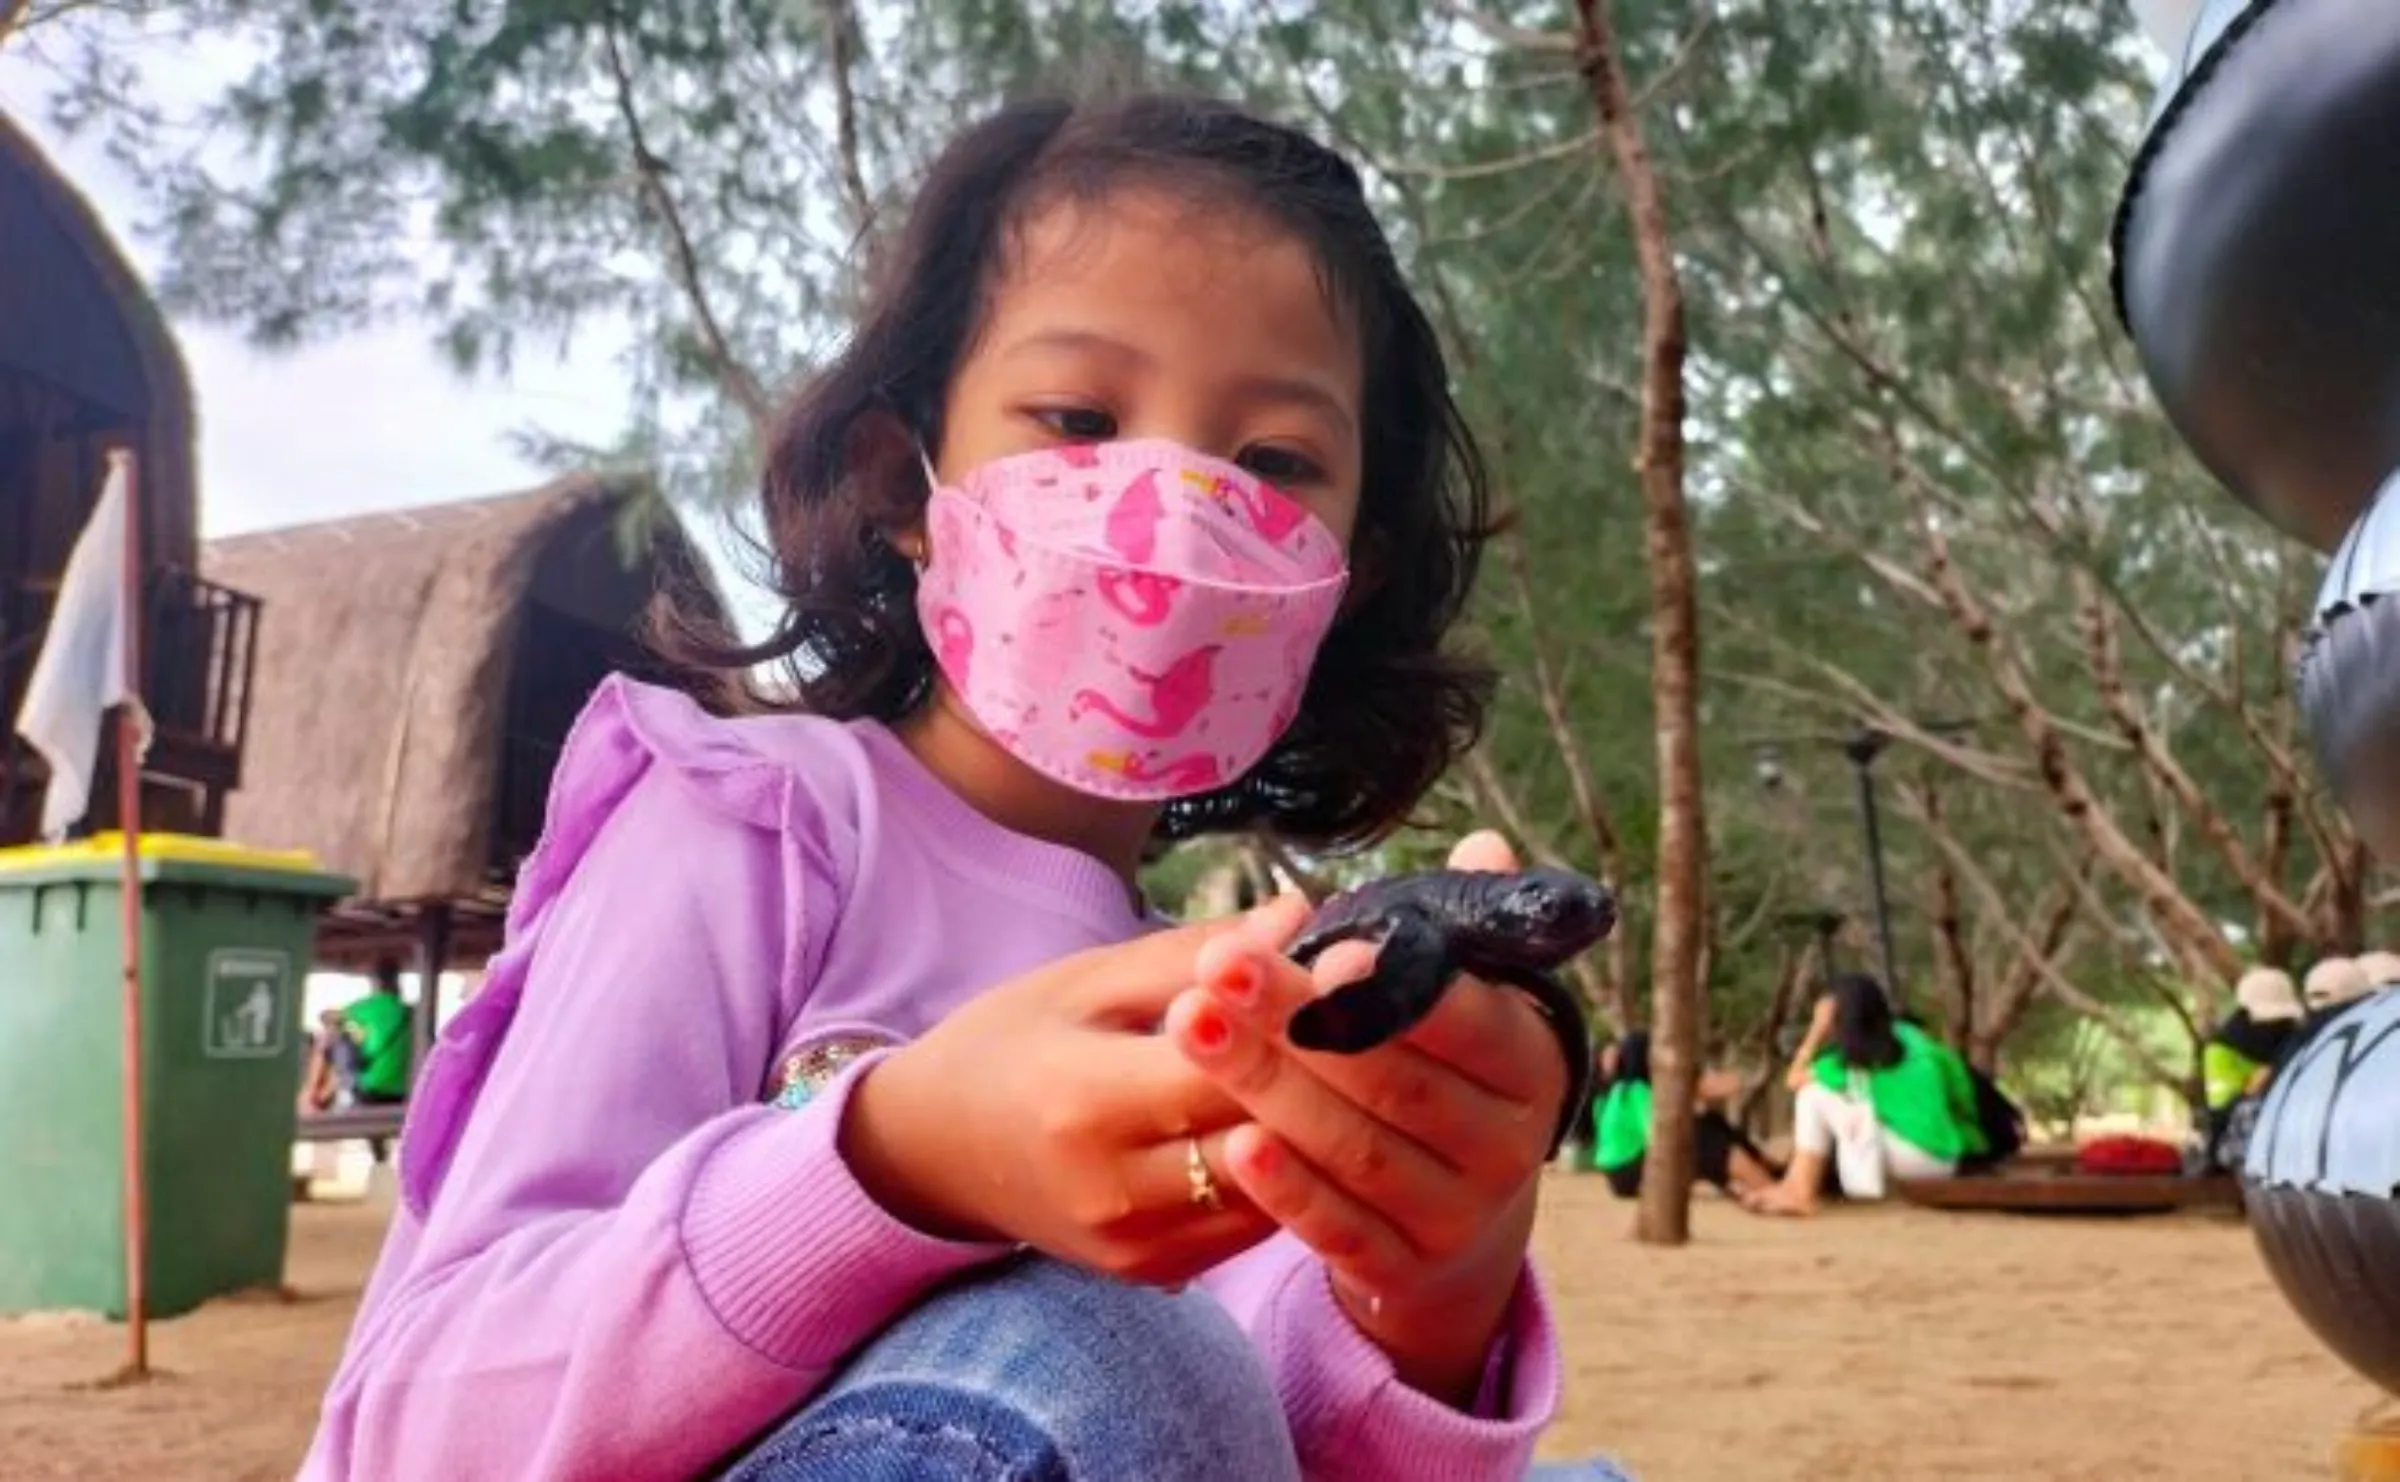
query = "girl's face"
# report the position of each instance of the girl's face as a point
(1142, 316)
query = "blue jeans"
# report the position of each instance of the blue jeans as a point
(1043, 1373)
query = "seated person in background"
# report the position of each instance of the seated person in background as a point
(2331, 986)
(382, 1027)
(364, 1054)
(2381, 969)
(1721, 1154)
(332, 1066)
(1916, 1087)
(2241, 1055)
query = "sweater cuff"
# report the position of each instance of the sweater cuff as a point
(791, 1254)
(1351, 1415)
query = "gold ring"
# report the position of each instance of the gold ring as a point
(1195, 1170)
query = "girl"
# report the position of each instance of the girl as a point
(833, 1109)
(1917, 1089)
(1722, 1154)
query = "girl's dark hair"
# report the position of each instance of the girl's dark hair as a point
(1863, 1029)
(1386, 710)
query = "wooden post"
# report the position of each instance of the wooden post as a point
(433, 953)
(129, 826)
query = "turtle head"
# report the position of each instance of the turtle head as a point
(1557, 907)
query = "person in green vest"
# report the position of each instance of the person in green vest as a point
(2241, 1056)
(382, 1035)
(1721, 1154)
(1858, 1059)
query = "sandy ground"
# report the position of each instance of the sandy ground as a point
(1872, 1344)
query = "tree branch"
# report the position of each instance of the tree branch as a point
(841, 34)
(2108, 675)
(2073, 793)
(1516, 38)
(1311, 884)
(2034, 953)
(736, 379)
(1504, 165)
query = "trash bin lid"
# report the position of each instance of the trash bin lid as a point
(173, 857)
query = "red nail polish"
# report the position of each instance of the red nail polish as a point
(1263, 1156)
(1240, 981)
(1210, 1031)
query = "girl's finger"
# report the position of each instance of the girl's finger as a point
(1428, 1101)
(1374, 1162)
(1486, 850)
(1148, 1091)
(1351, 1238)
(1162, 1195)
(1497, 1037)
(1128, 985)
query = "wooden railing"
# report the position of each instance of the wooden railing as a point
(199, 659)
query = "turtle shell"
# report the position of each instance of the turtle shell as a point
(2321, 1181)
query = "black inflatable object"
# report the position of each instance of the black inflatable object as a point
(2350, 675)
(2322, 1182)
(2257, 259)
(2258, 254)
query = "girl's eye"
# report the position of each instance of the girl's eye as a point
(1282, 466)
(1078, 424)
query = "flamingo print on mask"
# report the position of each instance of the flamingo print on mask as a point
(954, 645)
(1176, 697)
(1271, 514)
(1142, 597)
(1101, 601)
(1134, 520)
(1188, 776)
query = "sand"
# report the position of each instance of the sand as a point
(1871, 1344)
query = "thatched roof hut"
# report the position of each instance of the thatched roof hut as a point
(87, 363)
(416, 679)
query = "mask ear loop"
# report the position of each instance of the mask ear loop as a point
(920, 557)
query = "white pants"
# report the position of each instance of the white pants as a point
(1816, 1111)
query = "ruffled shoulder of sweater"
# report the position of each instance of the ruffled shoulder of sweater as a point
(792, 774)
(797, 785)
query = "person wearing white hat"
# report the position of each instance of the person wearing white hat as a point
(2332, 983)
(2382, 968)
(2241, 1055)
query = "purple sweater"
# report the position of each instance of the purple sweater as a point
(614, 1260)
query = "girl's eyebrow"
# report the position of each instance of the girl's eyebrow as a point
(1301, 391)
(1053, 341)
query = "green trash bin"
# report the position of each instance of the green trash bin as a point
(228, 935)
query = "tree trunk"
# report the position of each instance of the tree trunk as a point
(1665, 1215)
(1790, 972)
(1954, 965)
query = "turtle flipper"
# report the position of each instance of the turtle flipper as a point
(1573, 1032)
(1413, 967)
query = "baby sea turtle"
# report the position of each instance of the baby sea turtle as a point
(1504, 928)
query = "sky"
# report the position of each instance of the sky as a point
(374, 421)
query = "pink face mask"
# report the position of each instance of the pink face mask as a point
(1133, 619)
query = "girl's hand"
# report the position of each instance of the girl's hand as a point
(1411, 1169)
(1048, 1111)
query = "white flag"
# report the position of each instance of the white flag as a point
(81, 671)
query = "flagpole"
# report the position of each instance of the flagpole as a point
(129, 826)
